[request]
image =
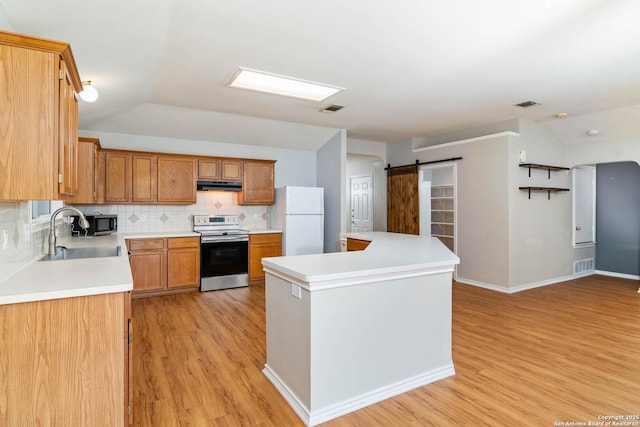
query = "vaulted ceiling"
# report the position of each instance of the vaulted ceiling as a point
(410, 67)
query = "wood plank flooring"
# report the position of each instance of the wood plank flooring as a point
(560, 353)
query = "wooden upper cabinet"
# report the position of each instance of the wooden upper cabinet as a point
(209, 169)
(231, 170)
(257, 183)
(36, 115)
(143, 178)
(87, 192)
(176, 180)
(117, 182)
(219, 169)
(67, 134)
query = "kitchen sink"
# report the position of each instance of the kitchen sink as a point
(77, 253)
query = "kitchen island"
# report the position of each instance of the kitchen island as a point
(348, 329)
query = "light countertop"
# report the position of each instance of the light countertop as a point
(43, 280)
(388, 254)
(265, 231)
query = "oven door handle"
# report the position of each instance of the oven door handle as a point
(204, 240)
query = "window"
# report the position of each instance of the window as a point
(41, 212)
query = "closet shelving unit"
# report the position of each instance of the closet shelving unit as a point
(548, 168)
(442, 214)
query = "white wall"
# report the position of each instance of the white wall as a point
(482, 204)
(331, 174)
(296, 167)
(603, 151)
(540, 229)
(5, 24)
(506, 241)
(121, 141)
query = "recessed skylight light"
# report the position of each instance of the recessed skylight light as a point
(282, 85)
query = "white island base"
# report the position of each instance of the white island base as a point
(346, 330)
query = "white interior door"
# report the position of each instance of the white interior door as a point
(361, 203)
(584, 205)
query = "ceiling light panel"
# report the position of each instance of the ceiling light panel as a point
(282, 85)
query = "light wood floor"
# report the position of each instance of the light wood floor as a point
(564, 352)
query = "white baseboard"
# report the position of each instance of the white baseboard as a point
(620, 275)
(526, 286)
(312, 418)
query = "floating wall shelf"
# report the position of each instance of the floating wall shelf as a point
(548, 168)
(549, 190)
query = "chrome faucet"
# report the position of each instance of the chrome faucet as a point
(82, 221)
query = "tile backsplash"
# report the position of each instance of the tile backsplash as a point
(158, 218)
(21, 244)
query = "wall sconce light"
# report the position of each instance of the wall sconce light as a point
(89, 93)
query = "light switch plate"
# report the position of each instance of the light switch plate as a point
(523, 156)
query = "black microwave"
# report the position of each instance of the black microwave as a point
(99, 225)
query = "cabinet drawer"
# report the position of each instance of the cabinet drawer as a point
(145, 244)
(265, 238)
(183, 242)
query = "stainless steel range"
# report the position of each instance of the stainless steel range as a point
(224, 252)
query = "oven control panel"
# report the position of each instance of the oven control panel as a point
(215, 220)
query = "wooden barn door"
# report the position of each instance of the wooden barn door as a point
(402, 200)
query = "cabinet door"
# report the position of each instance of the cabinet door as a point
(356, 244)
(117, 185)
(176, 180)
(128, 360)
(183, 267)
(231, 170)
(262, 246)
(87, 165)
(143, 178)
(63, 361)
(28, 139)
(257, 184)
(67, 134)
(148, 269)
(209, 169)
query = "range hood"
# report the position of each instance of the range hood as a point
(219, 186)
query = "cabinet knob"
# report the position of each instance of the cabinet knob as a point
(578, 228)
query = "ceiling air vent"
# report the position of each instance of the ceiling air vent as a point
(332, 108)
(527, 104)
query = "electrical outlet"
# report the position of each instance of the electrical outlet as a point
(296, 291)
(143, 217)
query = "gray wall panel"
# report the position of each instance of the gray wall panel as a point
(618, 217)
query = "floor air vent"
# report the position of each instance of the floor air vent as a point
(583, 265)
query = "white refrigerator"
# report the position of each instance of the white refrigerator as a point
(299, 213)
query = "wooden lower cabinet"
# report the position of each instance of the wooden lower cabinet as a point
(183, 262)
(163, 266)
(262, 246)
(356, 244)
(65, 362)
